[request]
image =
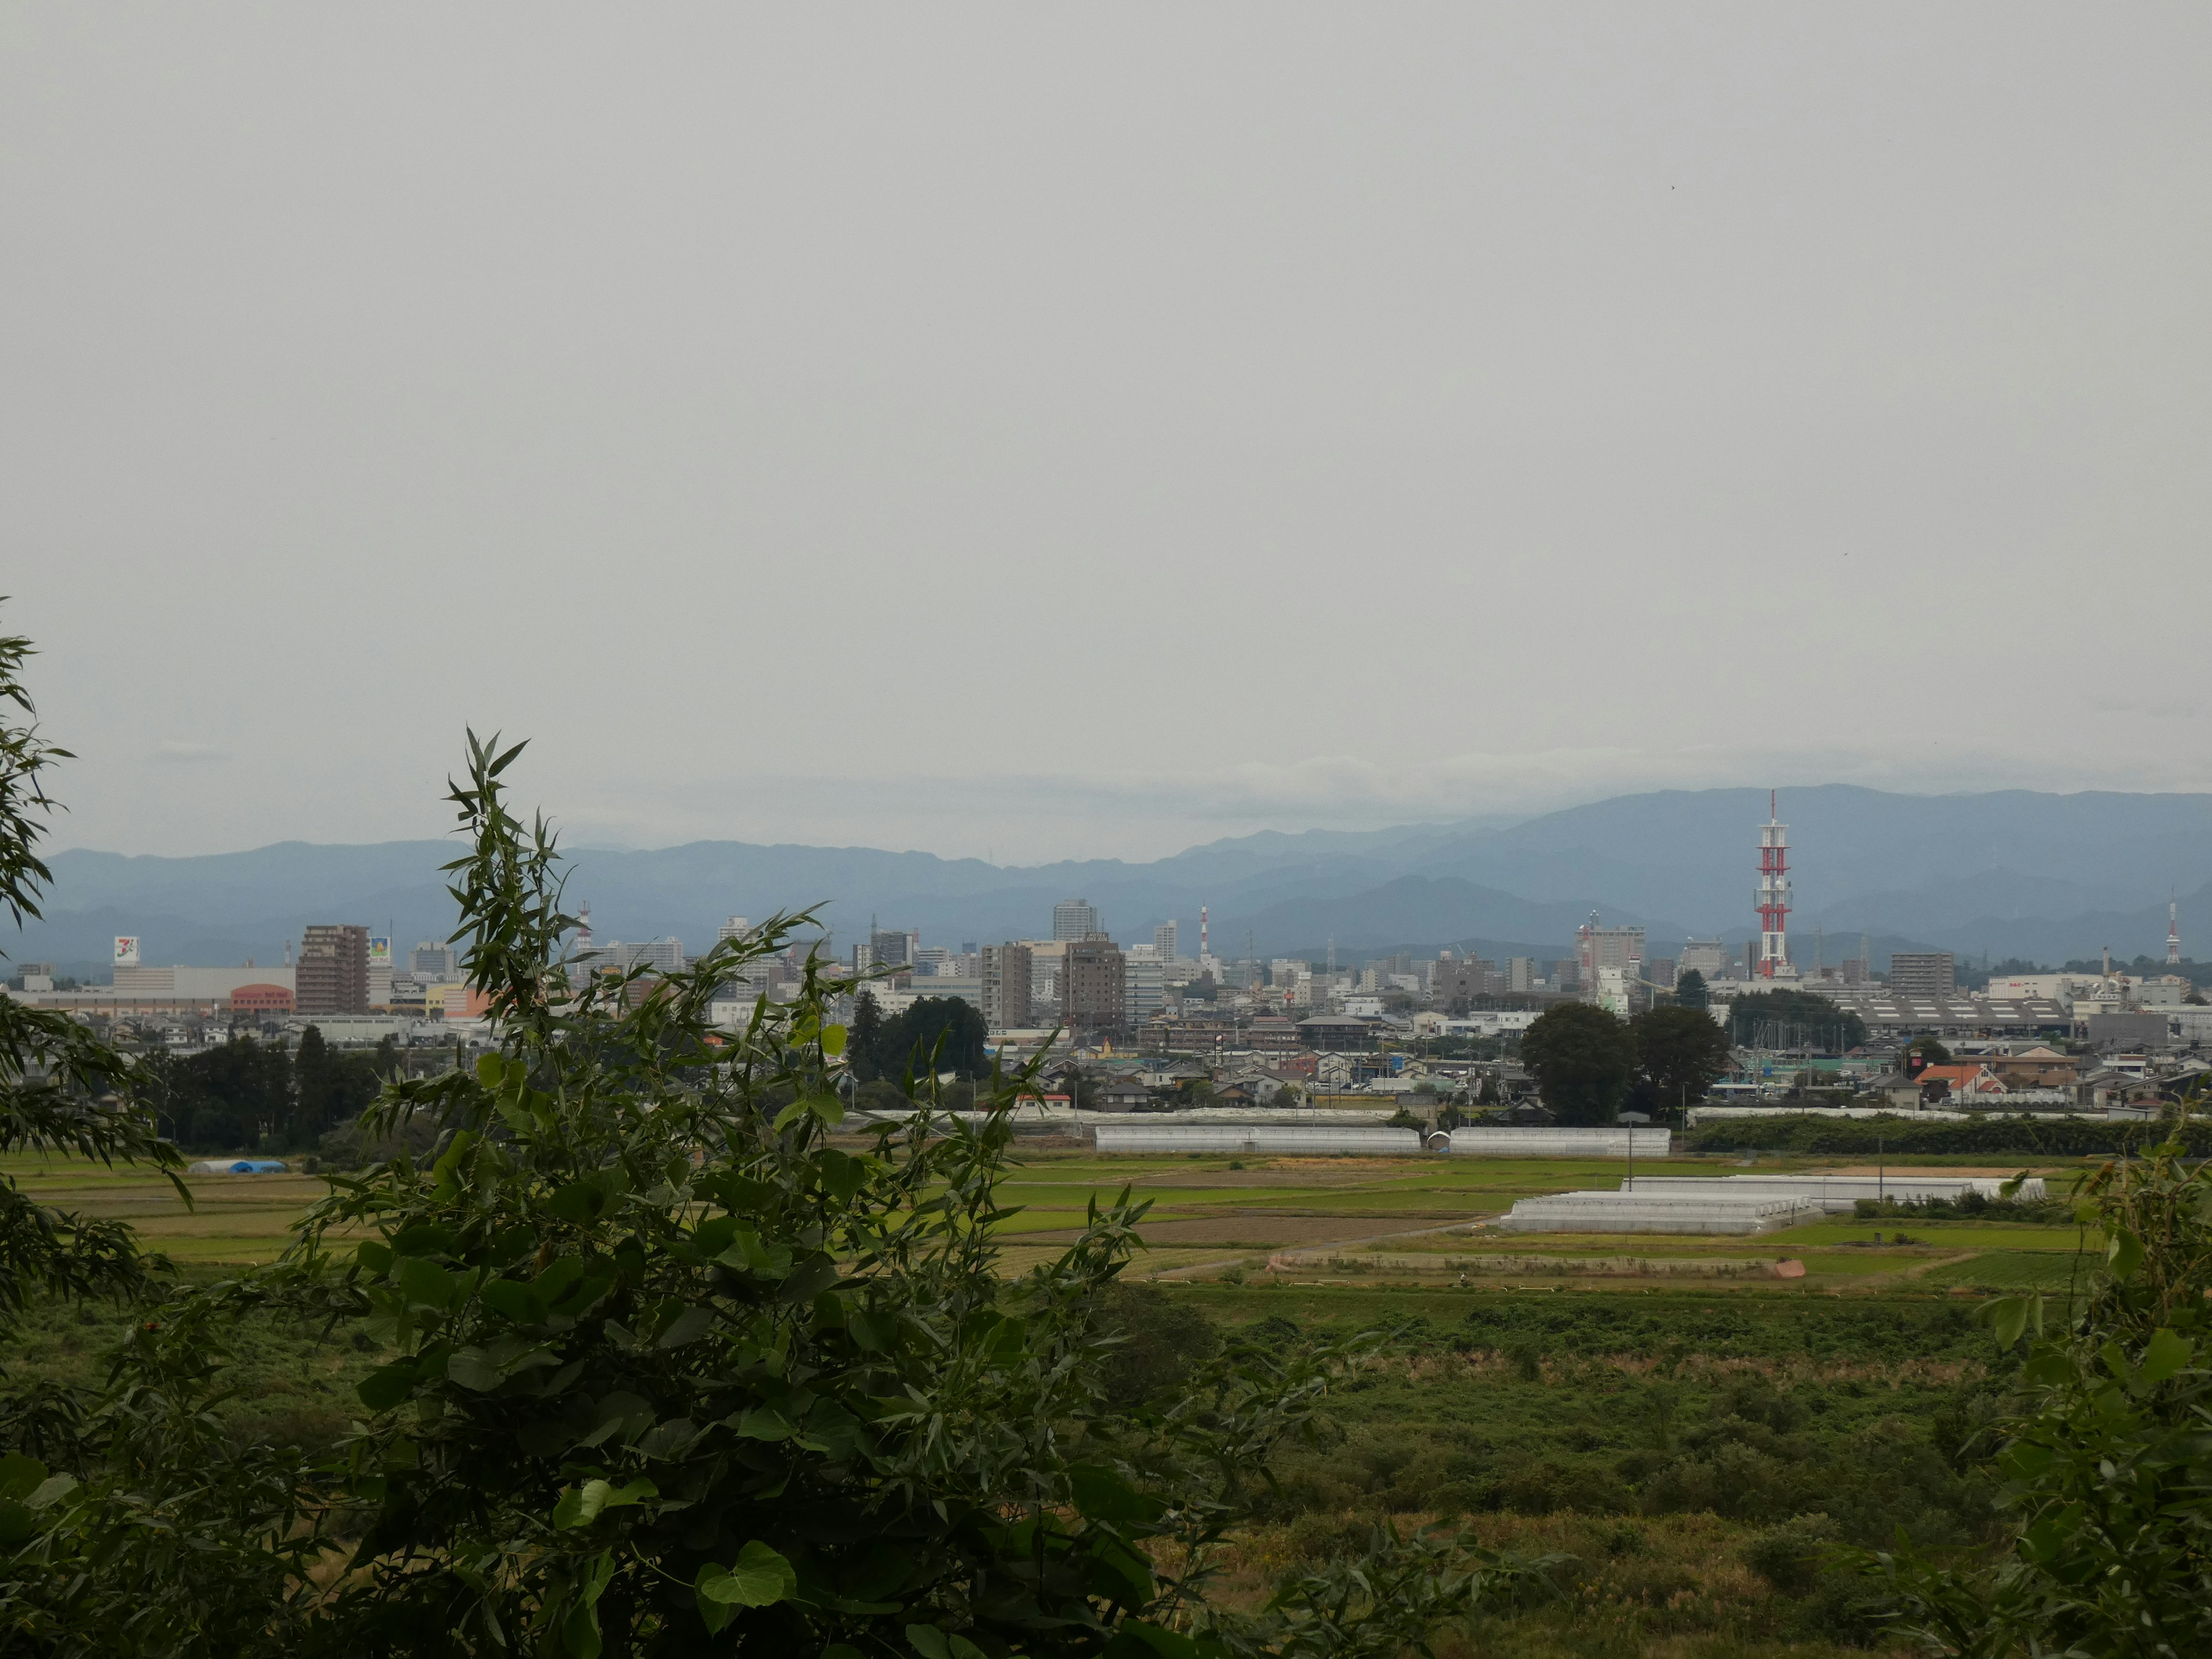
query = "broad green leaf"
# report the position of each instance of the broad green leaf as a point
(424, 1281)
(20, 1474)
(491, 1072)
(1100, 1494)
(872, 1332)
(387, 1385)
(763, 1423)
(688, 1326)
(2010, 1316)
(2123, 1253)
(579, 1631)
(2166, 1352)
(760, 1578)
(454, 1154)
(52, 1490)
(581, 1505)
(713, 1614)
(376, 1257)
(578, 1201)
(423, 1238)
(513, 1301)
(714, 1235)
(17, 1523)
(929, 1642)
(472, 1368)
(832, 1040)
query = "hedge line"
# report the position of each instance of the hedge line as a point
(2050, 1137)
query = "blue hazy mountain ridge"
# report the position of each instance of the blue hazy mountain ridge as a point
(2017, 872)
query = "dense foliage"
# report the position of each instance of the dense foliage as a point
(1584, 1061)
(1790, 1019)
(666, 1373)
(245, 1094)
(2104, 1447)
(930, 1035)
(1680, 1053)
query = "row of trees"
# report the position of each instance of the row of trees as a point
(1589, 1063)
(248, 1094)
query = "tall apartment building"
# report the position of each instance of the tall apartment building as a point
(1006, 987)
(1093, 987)
(1521, 974)
(1163, 941)
(890, 949)
(1706, 958)
(1455, 983)
(332, 977)
(1073, 919)
(1923, 973)
(1606, 947)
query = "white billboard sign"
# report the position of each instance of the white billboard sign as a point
(127, 952)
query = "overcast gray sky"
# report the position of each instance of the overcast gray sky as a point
(1051, 431)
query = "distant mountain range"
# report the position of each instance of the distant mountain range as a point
(2016, 873)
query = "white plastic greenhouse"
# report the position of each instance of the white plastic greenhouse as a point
(1638, 1212)
(1562, 1143)
(1268, 1139)
(1834, 1193)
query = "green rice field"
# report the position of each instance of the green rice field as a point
(1414, 1220)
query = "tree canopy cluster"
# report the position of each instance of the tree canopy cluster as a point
(246, 1093)
(1787, 1018)
(1589, 1063)
(929, 1035)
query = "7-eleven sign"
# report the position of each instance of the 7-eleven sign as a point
(126, 950)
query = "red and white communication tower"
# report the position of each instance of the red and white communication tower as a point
(2173, 932)
(1773, 892)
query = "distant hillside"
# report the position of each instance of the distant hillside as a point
(2018, 874)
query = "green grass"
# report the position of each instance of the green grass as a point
(2017, 1270)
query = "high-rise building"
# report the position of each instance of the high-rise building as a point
(1093, 987)
(1006, 987)
(1923, 973)
(1521, 973)
(1707, 958)
(735, 927)
(1454, 983)
(1660, 971)
(890, 949)
(1597, 947)
(333, 970)
(1163, 941)
(1074, 919)
(433, 962)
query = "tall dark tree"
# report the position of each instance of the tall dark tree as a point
(1690, 990)
(332, 1088)
(1680, 1053)
(867, 1036)
(911, 1037)
(1584, 1061)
